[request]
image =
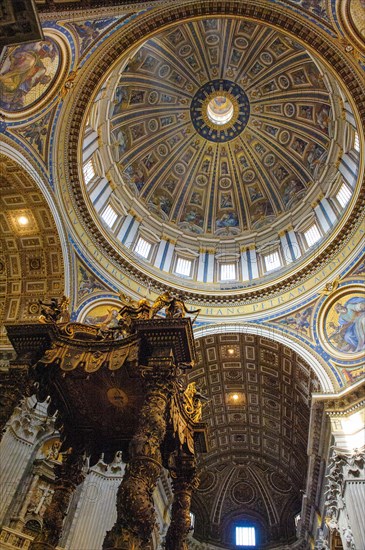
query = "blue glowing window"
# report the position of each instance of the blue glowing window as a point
(245, 536)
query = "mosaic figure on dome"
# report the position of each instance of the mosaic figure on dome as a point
(300, 321)
(278, 47)
(120, 99)
(210, 24)
(88, 31)
(161, 204)
(299, 145)
(176, 37)
(293, 191)
(315, 76)
(256, 68)
(137, 131)
(280, 173)
(299, 77)
(205, 166)
(316, 157)
(306, 111)
(121, 143)
(27, 73)
(243, 161)
(149, 161)
(149, 64)
(357, 8)
(224, 168)
(228, 219)
(193, 216)
(87, 282)
(136, 176)
(360, 269)
(254, 193)
(318, 7)
(170, 184)
(196, 198)
(260, 213)
(135, 61)
(352, 375)
(323, 117)
(136, 97)
(226, 200)
(270, 87)
(37, 133)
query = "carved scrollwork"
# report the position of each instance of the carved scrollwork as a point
(321, 543)
(343, 465)
(14, 385)
(348, 538)
(69, 473)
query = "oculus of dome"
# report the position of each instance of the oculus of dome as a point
(220, 110)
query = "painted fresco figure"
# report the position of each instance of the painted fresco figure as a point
(350, 331)
(22, 71)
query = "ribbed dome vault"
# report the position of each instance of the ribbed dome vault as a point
(220, 179)
(218, 142)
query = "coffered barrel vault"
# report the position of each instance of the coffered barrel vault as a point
(258, 415)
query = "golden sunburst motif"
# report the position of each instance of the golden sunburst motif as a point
(220, 110)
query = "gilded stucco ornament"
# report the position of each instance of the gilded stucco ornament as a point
(173, 306)
(55, 311)
(193, 402)
(68, 84)
(330, 287)
(96, 383)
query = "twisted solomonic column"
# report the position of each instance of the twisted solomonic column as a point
(135, 508)
(184, 482)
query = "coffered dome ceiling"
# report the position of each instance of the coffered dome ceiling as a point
(216, 137)
(221, 127)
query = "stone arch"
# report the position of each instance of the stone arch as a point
(311, 357)
(257, 393)
(35, 254)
